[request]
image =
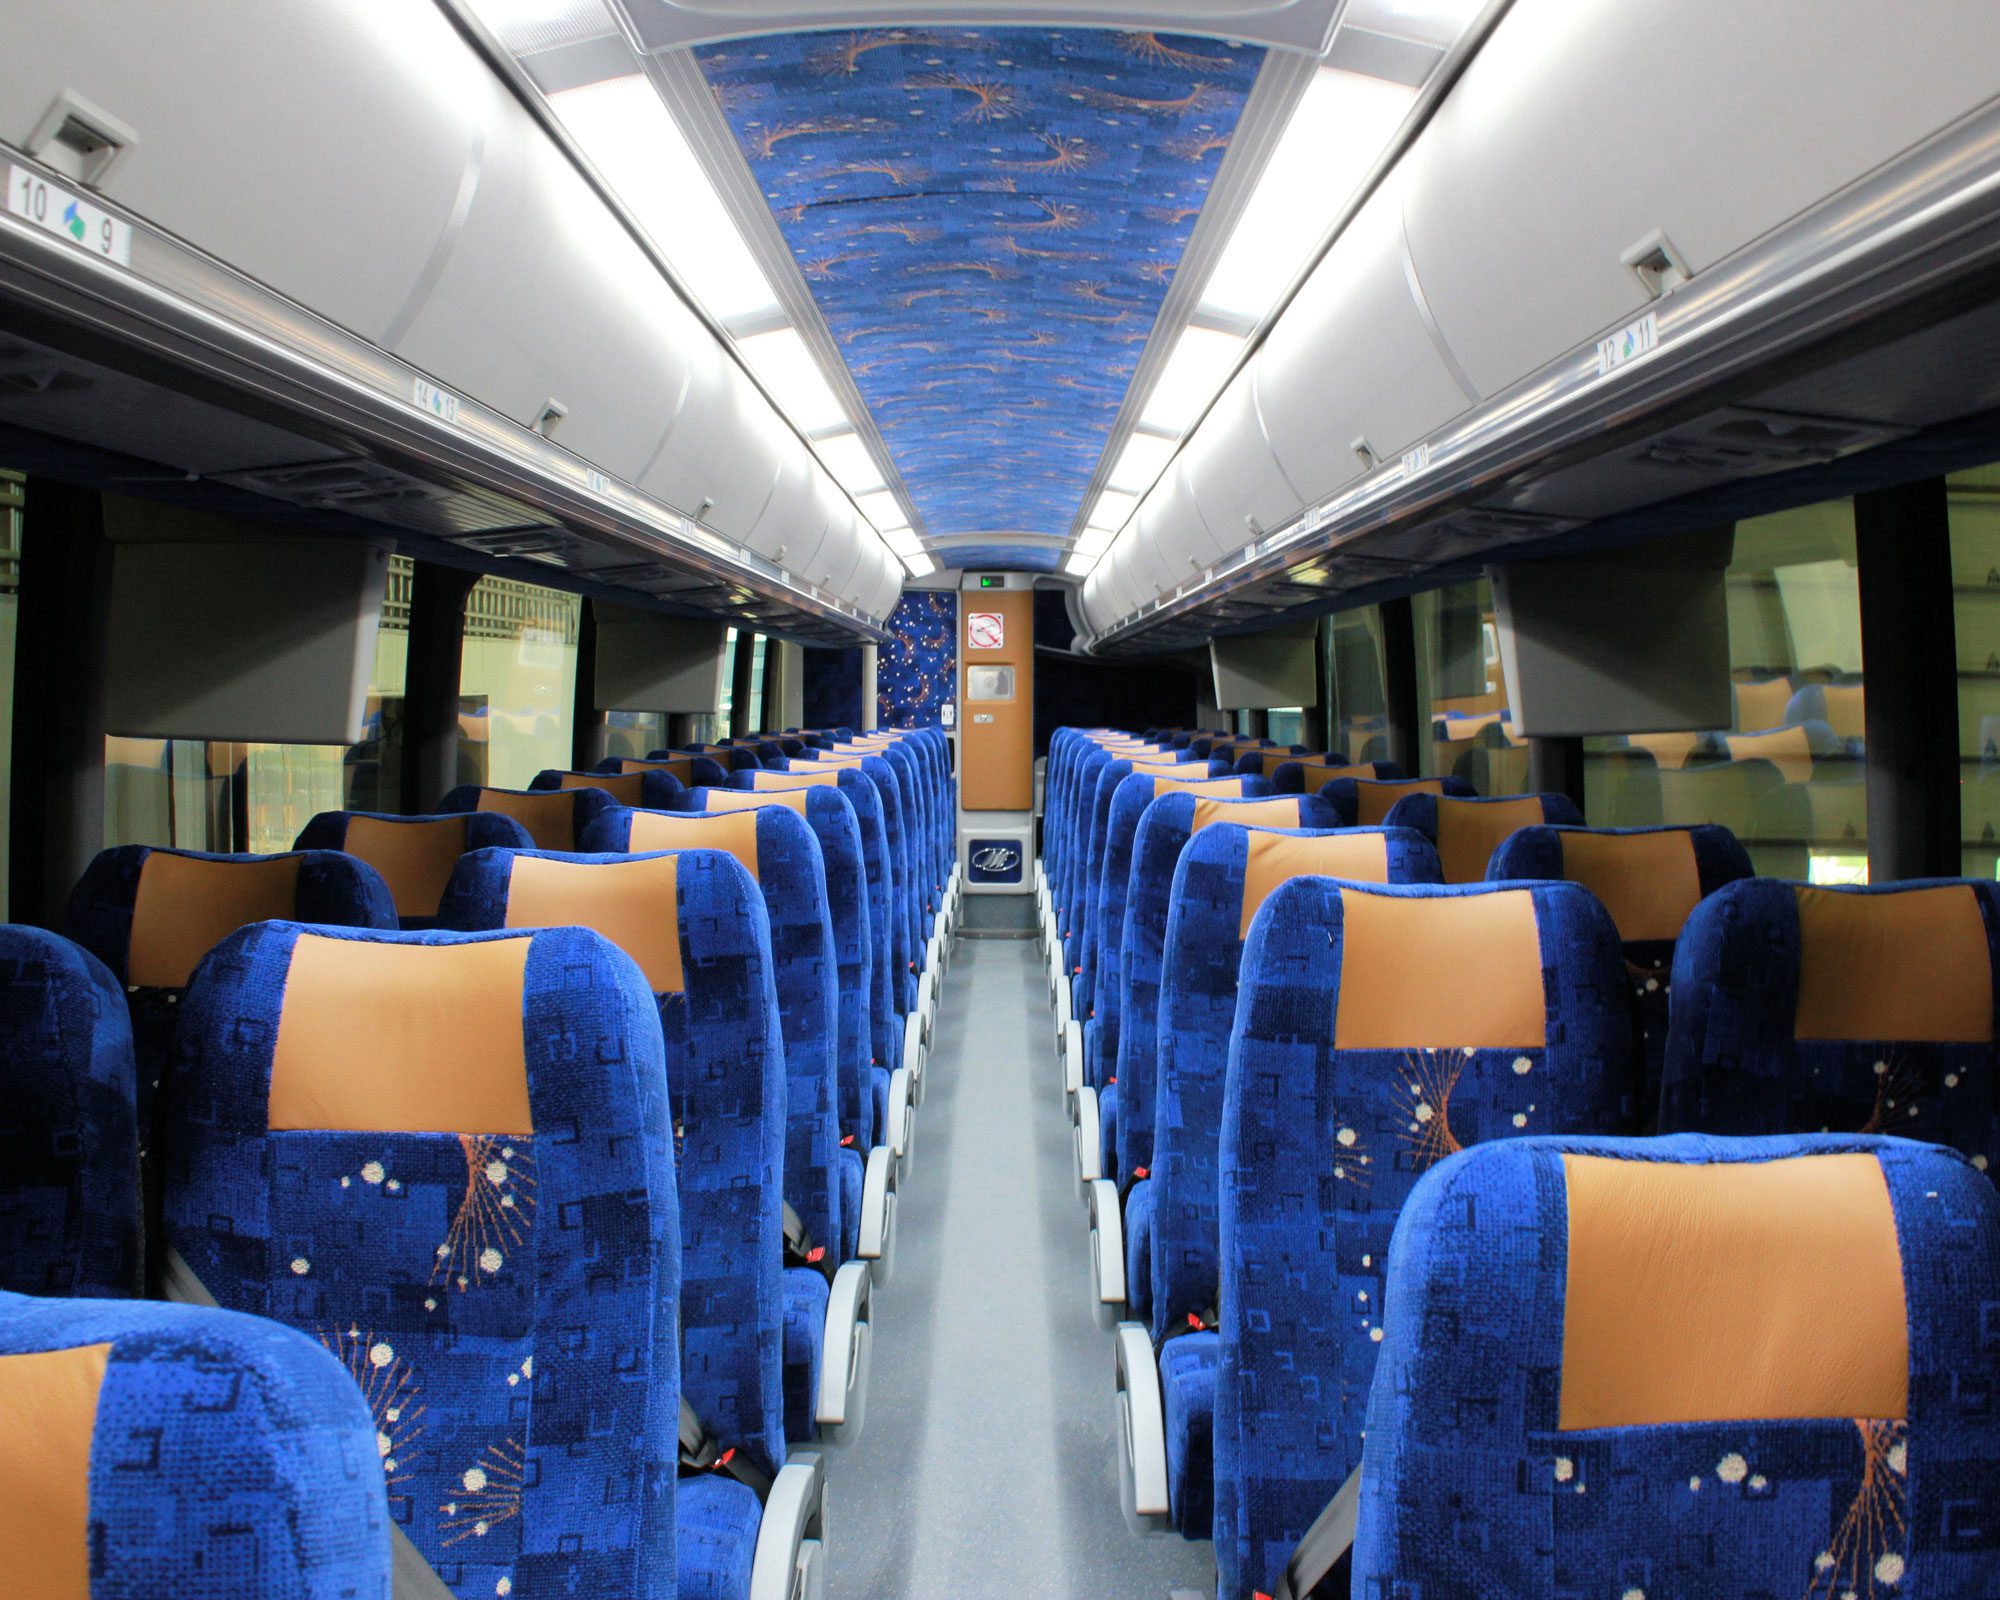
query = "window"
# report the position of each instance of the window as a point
(1285, 724)
(1355, 695)
(11, 501)
(517, 682)
(1787, 774)
(1459, 677)
(634, 735)
(1974, 502)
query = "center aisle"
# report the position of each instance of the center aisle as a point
(986, 1467)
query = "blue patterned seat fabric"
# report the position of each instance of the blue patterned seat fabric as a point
(863, 793)
(1353, 1068)
(555, 817)
(901, 832)
(1650, 880)
(1310, 774)
(686, 770)
(69, 1122)
(1165, 826)
(1216, 892)
(1487, 1475)
(1801, 1009)
(150, 915)
(454, 1169)
(414, 855)
(215, 1457)
(821, 1182)
(831, 817)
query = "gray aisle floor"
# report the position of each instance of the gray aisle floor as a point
(985, 1470)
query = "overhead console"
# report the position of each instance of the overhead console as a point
(412, 293)
(1590, 284)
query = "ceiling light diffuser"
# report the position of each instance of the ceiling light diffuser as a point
(1341, 125)
(1094, 541)
(902, 540)
(919, 566)
(632, 139)
(1143, 459)
(883, 509)
(1111, 510)
(786, 367)
(1080, 566)
(1202, 359)
(850, 462)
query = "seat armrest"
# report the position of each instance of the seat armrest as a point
(1107, 1251)
(845, 1355)
(902, 1124)
(1089, 1159)
(878, 1213)
(1142, 1431)
(790, 1563)
(1072, 1057)
(1062, 999)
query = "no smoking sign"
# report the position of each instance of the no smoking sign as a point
(985, 630)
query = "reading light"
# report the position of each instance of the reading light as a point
(635, 144)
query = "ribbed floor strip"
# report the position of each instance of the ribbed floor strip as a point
(986, 1470)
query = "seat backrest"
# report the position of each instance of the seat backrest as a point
(1291, 774)
(1799, 1008)
(1467, 829)
(829, 813)
(695, 923)
(151, 915)
(1650, 880)
(1367, 802)
(555, 818)
(174, 1450)
(686, 770)
(1379, 1029)
(778, 850)
(864, 797)
(1224, 876)
(441, 1155)
(414, 855)
(1175, 815)
(1616, 1361)
(649, 785)
(69, 1122)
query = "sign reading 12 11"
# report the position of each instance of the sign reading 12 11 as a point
(50, 206)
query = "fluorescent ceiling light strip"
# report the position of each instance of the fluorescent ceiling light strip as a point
(850, 462)
(786, 367)
(1201, 359)
(883, 509)
(1112, 510)
(1080, 566)
(632, 139)
(1341, 125)
(1094, 541)
(1143, 459)
(1433, 22)
(919, 566)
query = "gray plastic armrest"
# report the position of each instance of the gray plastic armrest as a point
(1072, 1055)
(1089, 1167)
(790, 1563)
(901, 1123)
(878, 1213)
(1142, 1429)
(845, 1356)
(1107, 1249)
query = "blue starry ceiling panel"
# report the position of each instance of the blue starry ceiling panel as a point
(989, 220)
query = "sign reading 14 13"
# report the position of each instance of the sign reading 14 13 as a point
(53, 207)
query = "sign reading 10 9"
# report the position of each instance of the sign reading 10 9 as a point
(53, 208)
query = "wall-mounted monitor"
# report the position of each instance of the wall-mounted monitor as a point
(650, 662)
(1255, 671)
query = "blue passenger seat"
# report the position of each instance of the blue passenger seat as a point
(151, 1450)
(1379, 1030)
(1467, 829)
(554, 817)
(1650, 880)
(414, 855)
(69, 1122)
(1687, 1366)
(449, 1159)
(1803, 1009)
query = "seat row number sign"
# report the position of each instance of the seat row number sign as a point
(985, 630)
(52, 207)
